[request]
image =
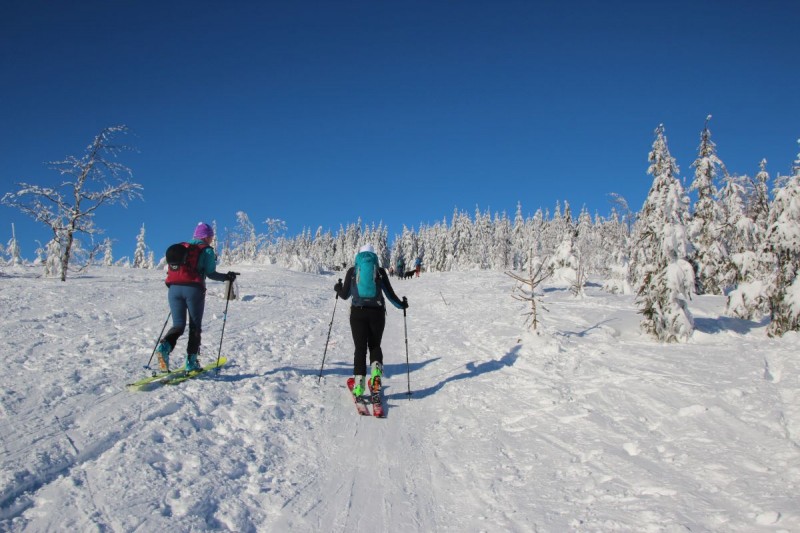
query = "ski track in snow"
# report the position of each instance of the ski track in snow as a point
(586, 426)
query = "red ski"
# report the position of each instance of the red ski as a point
(375, 397)
(360, 401)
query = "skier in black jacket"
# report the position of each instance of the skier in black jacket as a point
(367, 283)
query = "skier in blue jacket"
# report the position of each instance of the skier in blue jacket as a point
(187, 294)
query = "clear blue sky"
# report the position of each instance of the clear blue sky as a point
(320, 112)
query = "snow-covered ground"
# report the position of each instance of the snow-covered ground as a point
(587, 427)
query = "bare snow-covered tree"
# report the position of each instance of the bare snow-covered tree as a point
(91, 181)
(622, 207)
(275, 230)
(246, 242)
(526, 289)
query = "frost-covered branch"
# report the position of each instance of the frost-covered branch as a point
(525, 290)
(92, 181)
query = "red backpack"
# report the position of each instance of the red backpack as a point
(182, 259)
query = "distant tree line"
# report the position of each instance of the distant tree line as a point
(727, 234)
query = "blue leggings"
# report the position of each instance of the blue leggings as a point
(183, 299)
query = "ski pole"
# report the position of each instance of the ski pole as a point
(224, 319)
(330, 327)
(405, 329)
(158, 340)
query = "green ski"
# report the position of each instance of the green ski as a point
(172, 378)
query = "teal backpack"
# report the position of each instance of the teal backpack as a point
(367, 280)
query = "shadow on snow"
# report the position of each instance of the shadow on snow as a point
(473, 370)
(340, 369)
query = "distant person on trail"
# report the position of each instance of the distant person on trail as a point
(190, 263)
(401, 267)
(418, 265)
(367, 282)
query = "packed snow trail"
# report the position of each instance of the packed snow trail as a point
(588, 426)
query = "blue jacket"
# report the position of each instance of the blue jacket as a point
(207, 263)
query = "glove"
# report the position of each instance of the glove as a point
(231, 276)
(338, 287)
(405, 303)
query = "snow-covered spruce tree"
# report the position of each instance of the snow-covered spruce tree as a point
(434, 241)
(745, 203)
(340, 261)
(352, 241)
(322, 249)
(140, 253)
(268, 244)
(783, 241)
(501, 245)
(408, 247)
(519, 246)
(478, 255)
(613, 242)
(710, 255)
(12, 249)
(378, 236)
(554, 230)
(586, 250)
(758, 204)
(664, 277)
(88, 186)
(738, 230)
(245, 243)
(108, 255)
(748, 267)
(565, 266)
(214, 240)
(535, 229)
(52, 261)
(460, 241)
(743, 271)
(423, 235)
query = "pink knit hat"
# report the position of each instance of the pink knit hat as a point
(203, 231)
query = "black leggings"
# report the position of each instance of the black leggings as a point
(366, 324)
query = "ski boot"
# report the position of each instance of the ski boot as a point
(192, 364)
(376, 374)
(163, 356)
(358, 386)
